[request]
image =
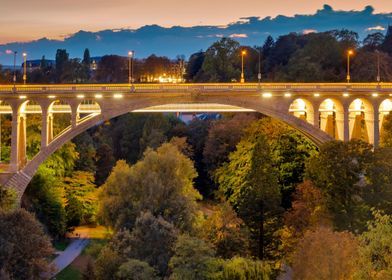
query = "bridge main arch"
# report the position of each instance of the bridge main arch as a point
(112, 108)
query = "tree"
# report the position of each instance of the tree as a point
(249, 181)
(25, 249)
(373, 41)
(105, 162)
(223, 136)
(45, 198)
(338, 171)
(243, 269)
(220, 61)
(136, 270)
(160, 183)
(81, 194)
(112, 69)
(8, 200)
(62, 58)
(192, 259)
(194, 66)
(387, 44)
(327, 254)
(226, 232)
(376, 249)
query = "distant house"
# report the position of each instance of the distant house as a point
(94, 62)
(36, 64)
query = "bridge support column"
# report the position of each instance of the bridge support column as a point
(343, 123)
(373, 126)
(18, 141)
(74, 114)
(47, 128)
(316, 117)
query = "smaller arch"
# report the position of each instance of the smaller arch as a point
(88, 108)
(361, 120)
(5, 134)
(59, 118)
(332, 118)
(385, 109)
(302, 109)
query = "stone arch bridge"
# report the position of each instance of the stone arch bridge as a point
(321, 111)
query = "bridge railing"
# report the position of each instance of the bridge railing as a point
(202, 87)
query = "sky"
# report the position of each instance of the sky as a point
(26, 20)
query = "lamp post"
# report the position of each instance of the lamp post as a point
(259, 74)
(14, 78)
(24, 68)
(349, 53)
(378, 67)
(243, 53)
(130, 66)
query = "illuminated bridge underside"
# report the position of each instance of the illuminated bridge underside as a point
(193, 108)
(321, 111)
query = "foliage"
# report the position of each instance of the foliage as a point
(192, 259)
(136, 270)
(327, 254)
(46, 199)
(81, 190)
(161, 183)
(24, 246)
(376, 249)
(249, 182)
(242, 269)
(226, 232)
(338, 171)
(8, 198)
(107, 264)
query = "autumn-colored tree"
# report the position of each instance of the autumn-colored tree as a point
(338, 170)
(376, 249)
(326, 255)
(160, 183)
(226, 231)
(24, 247)
(136, 270)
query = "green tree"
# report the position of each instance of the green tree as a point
(8, 198)
(161, 183)
(220, 61)
(136, 270)
(338, 171)
(249, 181)
(376, 249)
(24, 249)
(243, 269)
(192, 259)
(62, 58)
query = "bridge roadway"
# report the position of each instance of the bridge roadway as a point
(321, 111)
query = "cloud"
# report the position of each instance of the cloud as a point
(8, 52)
(238, 35)
(179, 40)
(376, 28)
(308, 31)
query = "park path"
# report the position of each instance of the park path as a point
(69, 254)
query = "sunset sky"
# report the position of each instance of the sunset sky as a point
(25, 20)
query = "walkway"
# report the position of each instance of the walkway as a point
(69, 254)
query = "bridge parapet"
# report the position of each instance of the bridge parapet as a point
(202, 87)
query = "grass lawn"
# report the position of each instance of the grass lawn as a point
(69, 273)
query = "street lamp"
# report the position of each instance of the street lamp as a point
(14, 78)
(243, 53)
(24, 68)
(349, 53)
(378, 67)
(130, 66)
(259, 74)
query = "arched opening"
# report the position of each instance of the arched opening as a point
(88, 108)
(59, 118)
(361, 120)
(331, 118)
(5, 134)
(302, 109)
(30, 113)
(384, 110)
